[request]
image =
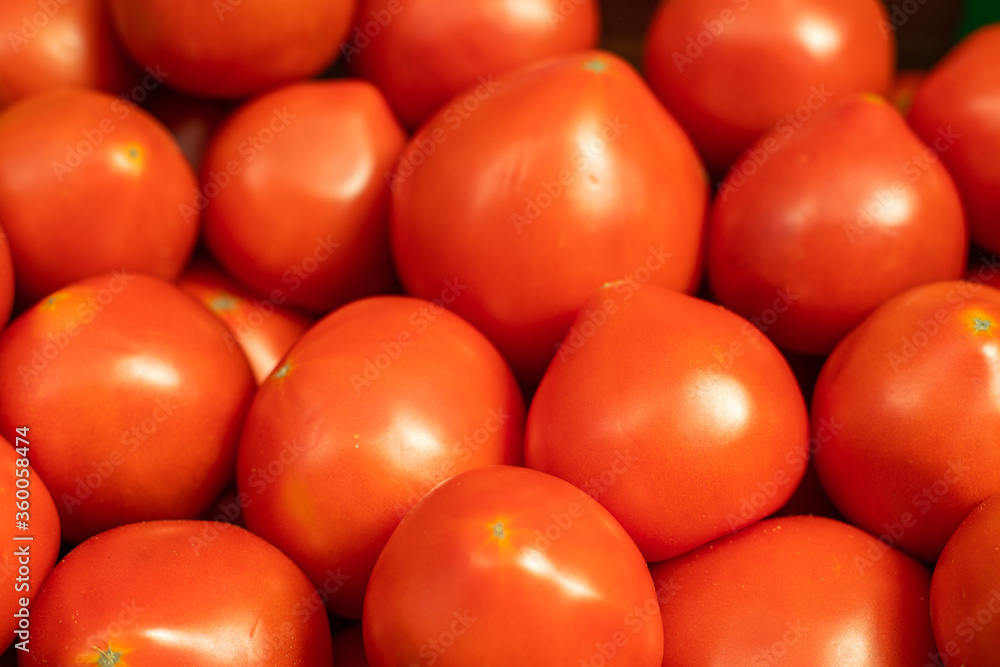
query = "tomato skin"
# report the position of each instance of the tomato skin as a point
(430, 50)
(572, 175)
(679, 417)
(305, 214)
(375, 405)
(133, 398)
(177, 599)
(114, 205)
(913, 423)
(54, 45)
(798, 591)
(961, 95)
(965, 590)
(473, 562)
(263, 330)
(230, 50)
(766, 60)
(817, 237)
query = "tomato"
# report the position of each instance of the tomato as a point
(296, 197)
(679, 417)
(729, 70)
(156, 594)
(507, 566)
(535, 191)
(31, 547)
(193, 121)
(133, 397)
(6, 280)
(56, 43)
(961, 98)
(232, 48)
(795, 591)
(376, 404)
(832, 220)
(349, 648)
(262, 329)
(965, 590)
(90, 184)
(912, 412)
(423, 52)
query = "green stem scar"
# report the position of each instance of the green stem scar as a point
(107, 658)
(498, 531)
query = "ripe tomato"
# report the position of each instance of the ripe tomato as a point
(571, 175)
(961, 96)
(507, 566)
(90, 184)
(423, 52)
(157, 594)
(912, 397)
(56, 43)
(296, 195)
(261, 328)
(376, 404)
(133, 398)
(30, 551)
(731, 69)
(349, 647)
(679, 417)
(795, 591)
(965, 591)
(850, 210)
(232, 48)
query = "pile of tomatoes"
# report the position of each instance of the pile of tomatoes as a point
(413, 333)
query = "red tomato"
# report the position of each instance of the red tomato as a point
(423, 52)
(54, 43)
(376, 404)
(133, 398)
(29, 552)
(89, 184)
(296, 194)
(850, 210)
(263, 330)
(232, 48)
(6, 280)
(507, 566)
(912, 404)
(731, 69)
(679, 417)
(571, 174)
(349, 648)
(965, 591)
(192, 121)
(795, 591)
(156, 594)
(957, 110)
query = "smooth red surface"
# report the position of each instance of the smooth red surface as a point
(133, 397)
(509, 566)
(913, 399)
(156, 595)
(376, 404)
(845, 213)
(796, 591)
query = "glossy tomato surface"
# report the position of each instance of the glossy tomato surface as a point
(965, 590)
(90, 184)
(813, 229)
(232, 48)
(961, 96)
(296, 193)
(374, 406)
(423, 52)
(507, 566)
(912, 397)
(133, 397)
(55, 43)
(156, 594)
(535, 190)
(679, 417)
(729, 70)
(795, 591)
